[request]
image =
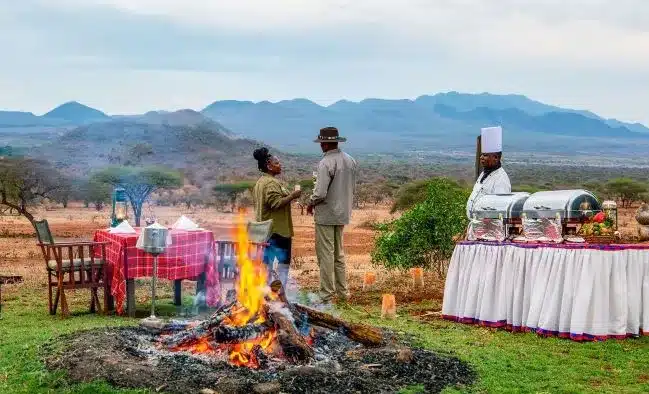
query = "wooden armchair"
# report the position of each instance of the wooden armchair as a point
(72, 266)
(226, 250)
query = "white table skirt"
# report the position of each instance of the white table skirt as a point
(584, 293)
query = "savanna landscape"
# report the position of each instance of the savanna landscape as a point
(155, 108)
(504, 362)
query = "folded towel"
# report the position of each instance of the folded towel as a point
(184, 223)
(122, 228)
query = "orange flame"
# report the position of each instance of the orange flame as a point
(251, 287)
(252, 291)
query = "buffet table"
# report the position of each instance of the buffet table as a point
(579, 291)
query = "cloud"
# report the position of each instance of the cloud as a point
(586, 53)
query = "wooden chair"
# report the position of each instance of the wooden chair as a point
(71, 266)
(226, 249)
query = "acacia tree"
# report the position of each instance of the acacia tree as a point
(232, 191)
(626, 190)
(139, 183)
(26, 182)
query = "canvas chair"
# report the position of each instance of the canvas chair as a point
(71, 266)
(226, 249)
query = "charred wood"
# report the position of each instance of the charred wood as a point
(202, 329)
(236, 334)
(293, 344)
(367, 335)
(262, 358)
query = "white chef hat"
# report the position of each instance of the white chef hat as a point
(492, 139)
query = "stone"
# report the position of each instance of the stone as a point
(404, 355)
(267, 388)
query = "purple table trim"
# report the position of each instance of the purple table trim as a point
(579, 246)
(579, 337)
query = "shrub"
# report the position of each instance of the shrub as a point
(423, 235)
(410, 195)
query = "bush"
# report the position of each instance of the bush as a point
(410, 195)
(423, 236)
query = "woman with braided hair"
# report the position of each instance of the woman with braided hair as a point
(272, 200)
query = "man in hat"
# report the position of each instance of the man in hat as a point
(493, 179)
(332, 200)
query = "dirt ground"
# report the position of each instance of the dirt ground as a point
(19, 254)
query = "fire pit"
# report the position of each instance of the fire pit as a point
(261, 343)
(134, 358)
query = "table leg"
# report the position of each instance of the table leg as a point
(178, 299)
(110, 306)
(130, 297)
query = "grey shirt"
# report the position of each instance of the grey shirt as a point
(333, 195)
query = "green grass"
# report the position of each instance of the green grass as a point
(528, 363)
(505, 362)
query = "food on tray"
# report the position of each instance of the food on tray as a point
(600, 225)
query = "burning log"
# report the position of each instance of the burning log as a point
(236, 334)
(262, 358)
(195, 333)
(368, 336)
(293, 344)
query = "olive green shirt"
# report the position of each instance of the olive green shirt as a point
(267, 195)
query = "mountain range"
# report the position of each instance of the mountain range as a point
(440, 122)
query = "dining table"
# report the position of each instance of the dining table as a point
(190, 256)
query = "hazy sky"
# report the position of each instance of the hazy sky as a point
(127, 56)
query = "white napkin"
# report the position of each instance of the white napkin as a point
(122, 228)
(184, 223)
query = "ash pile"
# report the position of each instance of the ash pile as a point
(282, 348)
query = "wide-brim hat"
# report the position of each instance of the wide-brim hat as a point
(329, 134)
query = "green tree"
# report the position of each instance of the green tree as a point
(139, 183)
(423, 235)
(24, 183)
(97, 193)
(626, 190)
(232, 191)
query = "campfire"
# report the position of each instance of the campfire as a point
(260, 324)
(256, 342)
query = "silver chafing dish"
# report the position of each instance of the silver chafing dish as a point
(574, 206)
(496, 216)
(566, 208)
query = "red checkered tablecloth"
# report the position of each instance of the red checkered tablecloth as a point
(190, 254)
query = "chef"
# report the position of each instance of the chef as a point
(493, 179)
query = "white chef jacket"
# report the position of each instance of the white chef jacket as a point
(496, 183)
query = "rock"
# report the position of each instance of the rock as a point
(207, 391)
(404, 355)
(643, 233)
(267, 388)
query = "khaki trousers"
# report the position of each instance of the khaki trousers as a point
(331, 260)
